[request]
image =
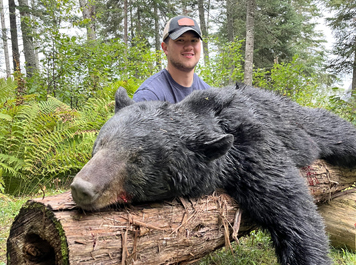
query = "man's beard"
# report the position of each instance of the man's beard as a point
(182, 67)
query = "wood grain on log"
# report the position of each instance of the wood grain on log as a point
(326, 181)
(340, 220)
(48, 232)
(53, 231)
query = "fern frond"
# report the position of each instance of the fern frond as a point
(7, 89)
(10, 165)
(44, 141)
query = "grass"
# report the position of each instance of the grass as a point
(9, 208)
(257, 249)
(253, 250)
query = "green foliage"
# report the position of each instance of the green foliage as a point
(344, 108)
(76, 71)
(289, 79)
(109, 91)
(7, 89)
(343, 24)
(226, 66)
(343, 257)
(281, 30)
(46, 141)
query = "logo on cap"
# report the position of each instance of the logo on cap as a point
(186, 22)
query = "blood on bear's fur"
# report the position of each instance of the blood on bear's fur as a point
(247, 141)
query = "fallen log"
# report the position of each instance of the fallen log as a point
(53, 231)
(341, 220)
(326, 181)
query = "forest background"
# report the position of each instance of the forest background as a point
(76, 54)
(64, 59)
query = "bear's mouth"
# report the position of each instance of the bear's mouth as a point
(123, 197)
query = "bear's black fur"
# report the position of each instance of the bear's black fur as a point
(248, 141)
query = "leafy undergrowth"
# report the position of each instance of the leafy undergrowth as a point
(255, 249)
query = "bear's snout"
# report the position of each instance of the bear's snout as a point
(83, 192)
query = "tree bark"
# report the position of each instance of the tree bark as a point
(49, 232)
(125, 24)
(204, 30)
(157, 35)
(35, 42)
(250, 28)
(4, 40)
(14, 36)
(88, 11)
(230, 20)
(53, 231)
(353, 85)
(27, 38)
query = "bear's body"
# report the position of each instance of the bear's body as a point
(248, 141)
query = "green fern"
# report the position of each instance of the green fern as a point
(41, 142)
(7, 89)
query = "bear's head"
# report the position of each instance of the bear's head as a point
(151, 151)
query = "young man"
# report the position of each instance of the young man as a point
(182, 46)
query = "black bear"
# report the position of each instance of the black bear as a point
(247, 141)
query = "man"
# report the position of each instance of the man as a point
(182, 46)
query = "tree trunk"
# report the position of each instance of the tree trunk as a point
(125, 23)
(14, 37)
(157, 35)
(138, 23)
(250, 25)
(88, 11)
(353, 85)
(27, 38)
(35, 42)
(204, 30)
(53, 231)
(230, 20)
(4, 40)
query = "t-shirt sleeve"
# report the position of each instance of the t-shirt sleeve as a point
(144, 95)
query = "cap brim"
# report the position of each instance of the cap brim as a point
(175, 35)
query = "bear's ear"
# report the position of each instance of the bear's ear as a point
(122, 99)
(216, 147)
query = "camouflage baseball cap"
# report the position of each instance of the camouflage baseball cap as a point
(178, 25)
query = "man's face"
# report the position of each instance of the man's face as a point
(184, 52)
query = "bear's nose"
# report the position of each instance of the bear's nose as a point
(83, 192)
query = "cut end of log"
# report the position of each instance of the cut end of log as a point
(36, 237)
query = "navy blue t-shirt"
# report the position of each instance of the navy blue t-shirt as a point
(162, 87)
